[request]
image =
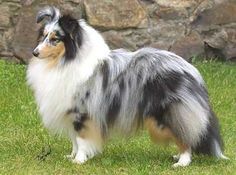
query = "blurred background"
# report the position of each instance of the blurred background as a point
(190, 28)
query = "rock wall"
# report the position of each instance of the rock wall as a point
(205, 28)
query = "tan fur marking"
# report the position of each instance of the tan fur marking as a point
(163, 135)
(53, 54)
(158, 135)
(92, 132)
(182, 147)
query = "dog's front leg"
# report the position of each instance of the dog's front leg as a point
(89, 141)
(72, 135)
(86, 150)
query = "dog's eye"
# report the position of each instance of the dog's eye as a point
(54, 41)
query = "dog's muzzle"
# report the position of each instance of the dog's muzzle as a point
(35, 53)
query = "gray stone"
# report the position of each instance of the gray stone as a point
(114, 14)
(204, 5)
(177, 3)
(229, 52)
(5, 15)
(218, 15)
(222, 44)
(162, 44)
(189, 46)
(27, 2)
(76, 10)
(117, 40)
(25, 34)
(181, 26)
(167, 31)
(217, 40)
(8, 56)
(2, 43)
(188, 5)
(168, 13)
(77, 1)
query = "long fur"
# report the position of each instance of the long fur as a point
(119, 89)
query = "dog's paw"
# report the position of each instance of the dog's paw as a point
(80, 158)
(180, 164)
(69, 156)
(183, 162)
(176, 157)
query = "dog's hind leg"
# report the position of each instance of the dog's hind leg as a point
(163, 134)
(89, 141)
(184, 157)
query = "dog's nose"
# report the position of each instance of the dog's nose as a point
(35, 53)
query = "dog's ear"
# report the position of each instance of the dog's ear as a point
(72, 28)
(73, 35)
(49, 13)
(69, 25)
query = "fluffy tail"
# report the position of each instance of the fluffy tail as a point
(211, 143)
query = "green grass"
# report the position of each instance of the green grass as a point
(22, 136)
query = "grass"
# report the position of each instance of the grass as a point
(22, 136)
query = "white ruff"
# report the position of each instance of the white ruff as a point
(55, 87)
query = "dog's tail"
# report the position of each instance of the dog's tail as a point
(211, 142)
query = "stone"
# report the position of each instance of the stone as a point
(115, 40)
(25, 34)
(177, 3)
(204, 5)
(231, 34)
(189, 46)
(75, 10)
(182, 26)
(2, 43)
(141, 38)
(164, 45)
(8, 56)
(221, 44)
(217, 40)
(114, 14)
(77, 1)
(220, 14)
(130, 39)
(150, 7)
(167, 31)
(5, 15)
(27, 2)
(168, 13)
(229, 52)
(8, 35)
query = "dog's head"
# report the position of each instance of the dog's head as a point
(59, 37)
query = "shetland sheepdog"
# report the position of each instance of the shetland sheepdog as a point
(87, 91)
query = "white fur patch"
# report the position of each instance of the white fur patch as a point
(86, 150)
(218, 152)
(184, 159)
(190, 119)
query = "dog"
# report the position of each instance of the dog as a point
(87, 91)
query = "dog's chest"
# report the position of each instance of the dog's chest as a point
(55, 90)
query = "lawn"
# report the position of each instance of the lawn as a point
(23, 139)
